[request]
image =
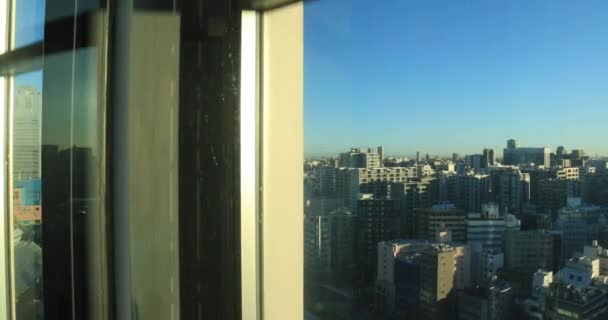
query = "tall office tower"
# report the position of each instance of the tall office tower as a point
(377, 220)
(397, 288)
(485, 230)
(474, 161)
(427, 158)
(357, 158)
(440, 186)
(513, 190)
(594, 188)
(488, 158)
(436, 281)
(536, 175)
(429, 221)
(577, 154)
(455, 157)
(468, 192)
(415, 194)
(528, 251)
(326, 176)
(27, 128)
(553, 195)
(417, 156)
(578, 158)
(515, 155)
(380, 150)
(342, 240)
(578, 226)
(317, 242)
(560, 152)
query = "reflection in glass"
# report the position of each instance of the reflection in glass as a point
(26, 204)
(28, 22)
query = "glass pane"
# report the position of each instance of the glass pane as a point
(28, 22)
(26, 203)
(481, 188)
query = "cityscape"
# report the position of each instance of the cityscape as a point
(515, 233)
(488, 197)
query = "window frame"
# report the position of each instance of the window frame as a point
(5, 240)
(274, 264)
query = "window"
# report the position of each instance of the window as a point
(419, 84)
(121, 121)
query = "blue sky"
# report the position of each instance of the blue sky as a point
(443, 76)
(29, 28)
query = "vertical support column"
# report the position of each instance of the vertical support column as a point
(209, 163)
(283, 158)
(146, 162)
(250, 180)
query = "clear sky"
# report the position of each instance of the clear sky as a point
(443, 76)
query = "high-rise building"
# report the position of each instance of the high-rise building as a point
(397, 287)
(560, 152)
(399, 282)
(514, 155)
(553, 195)
(415, 194)
(485, 266)
(474, 161)
(354, 181)
(326, 176)
(436, 281)
(572, 226)
(380, 150)
(488, 158)
(578, 226)
(485, 230)
(455, 157)
(577, 154)
(317, 242)
(377, 220)
(357, 158)
(429, 221)
(594, 188)
(27, 128)
(469, 191)
(342, 241)
(528, 250)
(512, 189)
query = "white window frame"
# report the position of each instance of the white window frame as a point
(272, 156)
(5, 239)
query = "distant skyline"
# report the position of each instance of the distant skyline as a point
(455, 76)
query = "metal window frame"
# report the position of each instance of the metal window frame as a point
(24, 59)
(265, 272)
(271, 159)
(5, 240)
